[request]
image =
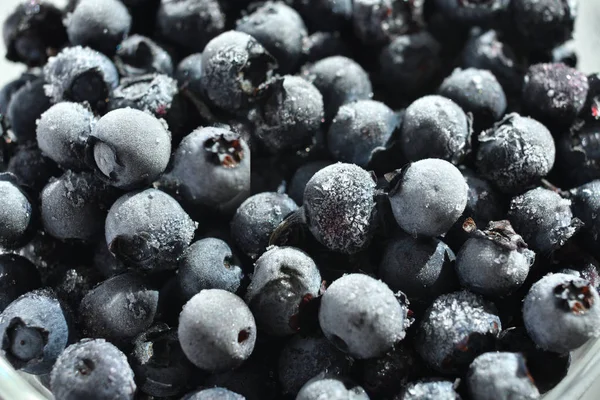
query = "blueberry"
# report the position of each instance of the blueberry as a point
(473, 12)
(128, 148)
(495, 261)
(321, 45)
(99, 24)
(139, 55)
(74, 206)
(93, 369)
(32, 169)
(477, 91)
(214, 394)
(325, 387)
(257, 218)
(377, 22)
(422, 268)
(302, 358)
(148, 230)
(189, 73)
(429, 197)
(455, 329)
(208, 264)
(25, 107)
(283, 278)
(435, 127)
(235, 66)
(80, 74)
(105, 262)
(120, 308)
(544, 219)
(301, 177)
(429, 390)
(16, 213)
(340, 80)
(325, 15)
(9, 89)
(515, 153)
(280, 29)
(32, 32)
(211, 168)
(17, 277)
(34, 330)
(562, 312)
(586, 207)
(190, 24)
(216, 330)
(62, 132)
(499, 375)
(359, 129)
(351, 316)
(554, 93)
(410, 63)
(152, 93)
(578, 154)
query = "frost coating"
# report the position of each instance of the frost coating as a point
(322, 387)
(438, 390)
(152, 93)
(15, 214)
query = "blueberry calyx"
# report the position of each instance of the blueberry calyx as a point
(501, 233)
(84, 366)
(23, 343)
(225, 151)
(574, 296)
(135, 249)
(90, 87)
(257, 69)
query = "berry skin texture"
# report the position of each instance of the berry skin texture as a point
(34, 331)
(376, 23)
(9, 89)
(16, 213)
(31, 168)
(153, 93)
(586, 206)
(128, 148)
(554, 93)
(331, 388)
(17, 277)
(25, 107)
(435, 127)
(515, 153)
(138, 55)
(62, 132)
(562, 312)
(216, 330)
(283, 278)
(499, 375)
(578, 155)
(280, 29)
(148, 230)
(544, 219)
(93, 369)
(340, 80)
(339, 207)
(359, 129)
(429, 197)
(429, 390)
(99, 24)
(362, 316)
(301, 178)
(208, 264)
(189, 72)
(214, 394)
(455, 329)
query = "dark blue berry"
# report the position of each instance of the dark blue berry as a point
(25, 107)
(16, 213)
(139, 55)
(17, 276)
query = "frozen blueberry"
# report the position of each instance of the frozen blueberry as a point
(235, 66)
(32, 32)
(80, 74)
(208, 264)
(93, 369)
(25, 107)
(377, 22)
(148, 230)
(455, 329)
(515, 153)
(331, 388)
(302, 358)
(211, 167)
(62, 132)
(34, 330)
(74, 206)
(429, 197)
(359, 129)
(495, 261)
(410, 63)
(257, 218)
(17, 277)
(554, 93)
(500, 375)
(128, 148)
(362, 316)
(120, 308)
(16, 213)
(578, 153)
(543, 24)
(9, 89)
(99, 24)
(429, 390)
(283, 278)
(340, 80)
(280, 29)
(301, 178)
(435, 127)
(586, 207)
(190, 24)
(473, 12)
(422, 268)
(321, 45)
(139, 55)
(477, 91)
(189, 73)
(153, 93)
(325, 15)
(562, 312)
(31, 168)
(544, 219)
(214, 394)
(216, 330)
